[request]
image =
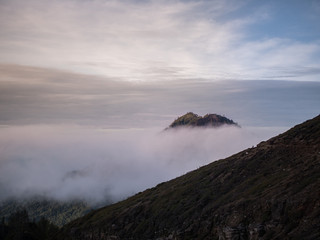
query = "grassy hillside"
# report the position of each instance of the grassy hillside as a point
(271, 191)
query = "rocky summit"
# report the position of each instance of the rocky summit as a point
(271, 191)
(193, 120)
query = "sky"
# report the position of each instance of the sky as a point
(87, 86)
(134, 40)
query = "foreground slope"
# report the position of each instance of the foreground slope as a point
(267, 192)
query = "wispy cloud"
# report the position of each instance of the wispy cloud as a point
(149, 40)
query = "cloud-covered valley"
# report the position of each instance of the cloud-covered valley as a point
(70, 162)
(65, 135)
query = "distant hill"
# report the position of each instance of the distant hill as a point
(271, 191)
(59, 213)
(193, 120)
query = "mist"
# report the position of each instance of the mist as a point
(68, 162)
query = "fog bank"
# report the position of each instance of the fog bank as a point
(68, 162)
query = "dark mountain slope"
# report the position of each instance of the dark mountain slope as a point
(271, 191)
(59, 213)
(193, 120)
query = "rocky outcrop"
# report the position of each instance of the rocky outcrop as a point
(209, 120)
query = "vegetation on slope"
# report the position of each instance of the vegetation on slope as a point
(59, 213)
(19, 227)
(267, 192)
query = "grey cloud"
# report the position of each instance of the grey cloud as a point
(304, 71)
(42, 96)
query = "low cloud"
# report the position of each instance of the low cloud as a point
(69, 162)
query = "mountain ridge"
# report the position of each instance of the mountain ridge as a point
(266, 192)
(191, 119)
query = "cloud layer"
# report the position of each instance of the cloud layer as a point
(67, 162)
(30, 95)
(162, 40)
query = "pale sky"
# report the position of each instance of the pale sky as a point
(160, 40)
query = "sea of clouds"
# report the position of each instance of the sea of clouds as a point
(101, 165)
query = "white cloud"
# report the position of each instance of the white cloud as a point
(276, 59)
(116, 38)
(65, 162)
(147, 40)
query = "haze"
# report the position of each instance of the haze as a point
(67, 163)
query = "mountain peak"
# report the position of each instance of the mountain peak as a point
(191, 119)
